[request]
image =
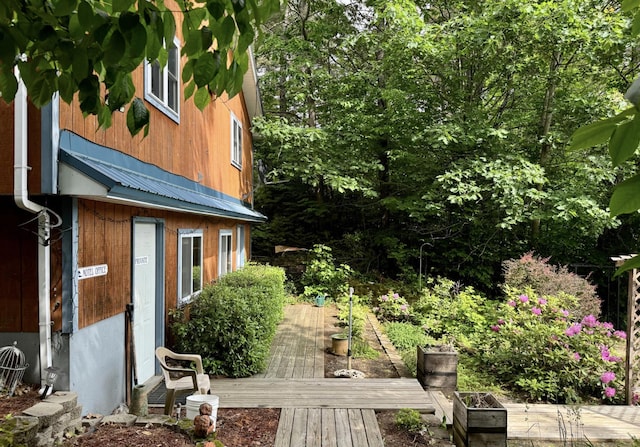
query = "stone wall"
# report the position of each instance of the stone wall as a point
(48, 422)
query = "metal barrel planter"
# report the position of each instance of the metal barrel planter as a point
(479, 420)
(437, 369)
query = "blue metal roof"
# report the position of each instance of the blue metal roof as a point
(129, 179)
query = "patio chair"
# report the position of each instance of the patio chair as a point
(179, 379)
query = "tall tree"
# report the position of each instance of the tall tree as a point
(444, 123)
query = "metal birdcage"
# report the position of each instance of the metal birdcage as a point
(12, 366)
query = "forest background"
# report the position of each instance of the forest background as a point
(432, 137)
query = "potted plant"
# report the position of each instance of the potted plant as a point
(437, 367)
(479, 420)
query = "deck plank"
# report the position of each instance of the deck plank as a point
(343, 430)
(356, 425)
(374, 437)
(328, 435)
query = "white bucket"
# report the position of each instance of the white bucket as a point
(193, 406)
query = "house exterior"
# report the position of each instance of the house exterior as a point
(103, 233)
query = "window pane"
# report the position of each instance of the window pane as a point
(186, 274)
(156, 79)
(197, 268)
(172, 79)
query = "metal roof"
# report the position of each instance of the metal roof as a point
(123, 178)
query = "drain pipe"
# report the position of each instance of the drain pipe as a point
(21, 197)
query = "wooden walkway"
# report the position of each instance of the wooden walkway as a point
(332, 412)
(317, 411)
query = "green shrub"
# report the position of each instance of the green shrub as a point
(536, 348)
(410, 420)
(322, 276)
(536, 273)
(232, 322)
(449, 312)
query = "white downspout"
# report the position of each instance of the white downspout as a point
(21, 197)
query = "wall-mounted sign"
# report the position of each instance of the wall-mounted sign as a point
(92, 271)
(142, 260)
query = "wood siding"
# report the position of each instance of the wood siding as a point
(7, 161)
(105, 238)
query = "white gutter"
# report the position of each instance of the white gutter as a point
(21, 197)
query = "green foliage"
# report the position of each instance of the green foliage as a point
(232, 322)
(536, 348)
(406, 336)
(322, 275)
(90, 48)
(410, 420)
(359, 311)
(545, 279)
(8, 427)
(447, 311)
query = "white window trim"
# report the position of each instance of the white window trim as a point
(241, 251)
(226, 256)
(236, 147)
(181, 235)
(159, 103)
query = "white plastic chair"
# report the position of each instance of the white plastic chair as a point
(178, 379)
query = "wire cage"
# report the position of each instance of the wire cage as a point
(12, 367)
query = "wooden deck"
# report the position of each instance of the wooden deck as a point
(335, 412)
(317, 411)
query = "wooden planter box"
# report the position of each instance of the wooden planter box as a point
(479, 420)
(437, 369)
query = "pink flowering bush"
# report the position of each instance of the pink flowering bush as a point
(535, 347)
(391, 307)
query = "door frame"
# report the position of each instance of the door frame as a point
(159, 274)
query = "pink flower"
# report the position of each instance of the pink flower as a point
(384, 298)
(565, 313)
(536, 310)
(501, 321)
(511, 303)
(576, 356)
(590, 321)
(403, 308)
(495, 328)
(609, 392)
(396, 296)
(607, 326)
(523, 298)
(542, 301)
(607, 377)
(574, 329)
(620, 334)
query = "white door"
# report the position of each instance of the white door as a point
(144, 298)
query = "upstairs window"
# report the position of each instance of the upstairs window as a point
(236, 142)
(162, 86)
(189, 264)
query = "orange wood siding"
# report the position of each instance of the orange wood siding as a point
(105, 238)
(7, 161)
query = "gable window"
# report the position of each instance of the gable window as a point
(162, 87)
(189, 264)
(225, 252)
(236, 142)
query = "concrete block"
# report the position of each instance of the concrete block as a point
(47, 413)
(68, 399)
(125, 419)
